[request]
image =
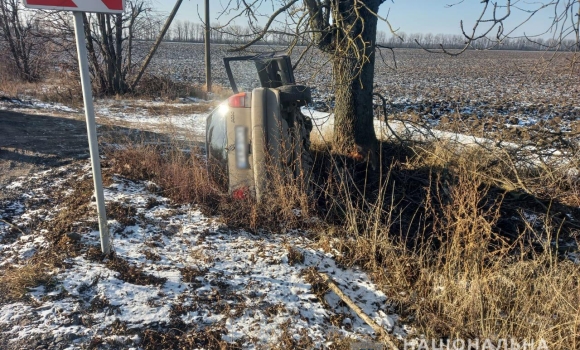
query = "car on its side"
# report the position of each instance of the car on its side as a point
(257, 132)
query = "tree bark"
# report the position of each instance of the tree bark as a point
(120, 83)
(353, 70)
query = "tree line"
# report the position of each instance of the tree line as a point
(188, 31)
(28, 37)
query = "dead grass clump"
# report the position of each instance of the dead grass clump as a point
(94, 254)
(293, 340)
(184, 339)
(449, 247)
(285, 205)
(190, 274)
(276, 213)
(124, 214)
(157, 86)
(181, 176)
(154, 86)
(71, 221)
(16, 282)
(132, 274)
(75, 207)
(295, 256)
(152, 256)
(180, 109)
(64, 88)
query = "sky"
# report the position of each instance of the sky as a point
(409, 16)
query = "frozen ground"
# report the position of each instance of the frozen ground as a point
(150, 114)
(174, 268)
(204, 275)
(184, 120)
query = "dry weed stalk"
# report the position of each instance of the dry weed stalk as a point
(462, 276)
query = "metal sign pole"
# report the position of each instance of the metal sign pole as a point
(207, 49)
(92, 130)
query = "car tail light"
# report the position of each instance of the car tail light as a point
(240, 193)
(241, 100)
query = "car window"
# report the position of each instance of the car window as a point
(245, 75)
(217, 145)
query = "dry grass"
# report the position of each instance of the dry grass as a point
(177, 339)
(16, 282)
(156, 86)
(64, 90)
(444, 255)
(183, 177)
(132, 274)
(64, 87)
(444, 231)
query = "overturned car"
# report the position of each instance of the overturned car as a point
(261, 132)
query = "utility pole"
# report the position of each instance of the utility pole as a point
(207, 53)
(156, 44)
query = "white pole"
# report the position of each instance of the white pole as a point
(92, 131)
(207, 50)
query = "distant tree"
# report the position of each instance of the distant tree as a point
(111, 40)
(492, 31)
(19, 31)
(179, 30)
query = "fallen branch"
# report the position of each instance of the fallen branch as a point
(383, 335)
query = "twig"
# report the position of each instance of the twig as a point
(13, 226)
(385, 113)
(384, 336)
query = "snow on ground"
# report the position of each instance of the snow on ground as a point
(138, 113)
(324, 124)
(202, 274)
(172, 118)
(16, 103)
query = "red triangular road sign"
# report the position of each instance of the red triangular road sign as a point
(59, 3)
(113, 4)
(98, 6)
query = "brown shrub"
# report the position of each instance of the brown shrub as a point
(182, 176)
(15, 282)
(159, 86)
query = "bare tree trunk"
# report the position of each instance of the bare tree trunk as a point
(353, 129)
(97, 71)
(19, 37)
(156, 44)
(120, 86)
(353, 70)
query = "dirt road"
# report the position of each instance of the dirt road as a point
(32, 142)
(29, 143)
